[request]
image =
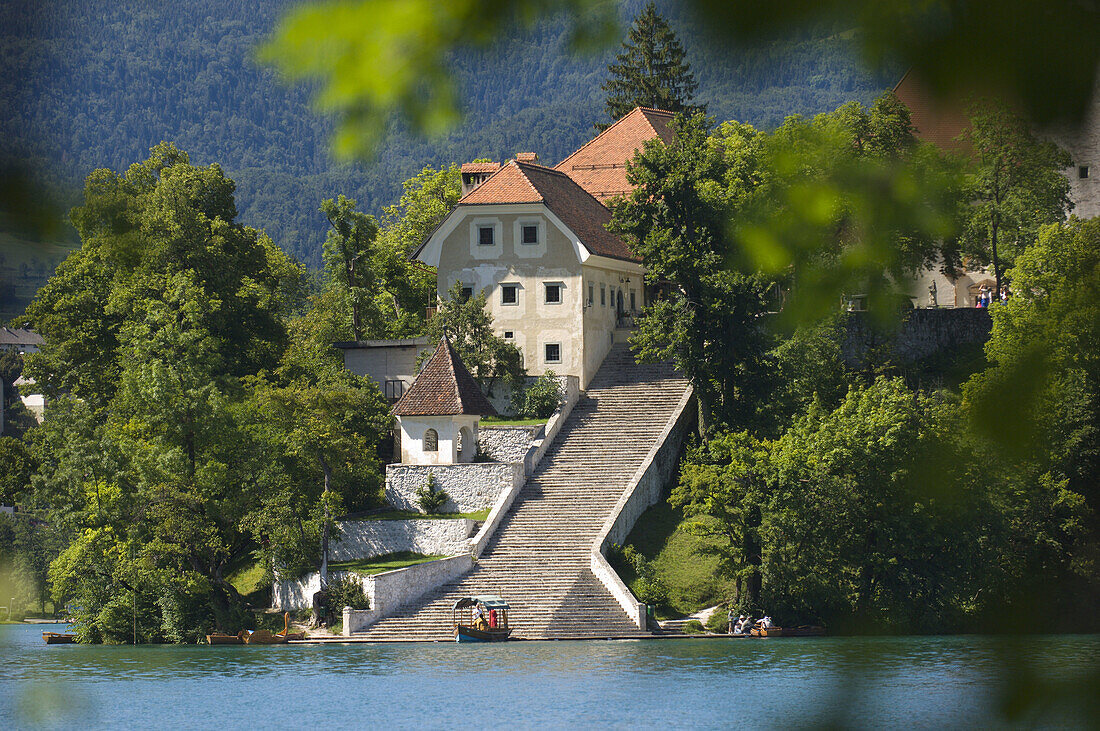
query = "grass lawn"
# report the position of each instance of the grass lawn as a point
(689, 575)
(505, 421)
(249, 578)
(413, 515)
(378, 564)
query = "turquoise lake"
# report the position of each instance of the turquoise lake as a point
(918, 682)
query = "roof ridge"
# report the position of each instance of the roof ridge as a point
(451, 355)
(592, 141)
(569, 177)
(497, 172)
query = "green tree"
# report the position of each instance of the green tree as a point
(724, 481)
(469, 326)
(676, 221)
(162, 217)
(1015, 186)
(1036, 410)
(651, 71)
(872, 522)
(348, 254)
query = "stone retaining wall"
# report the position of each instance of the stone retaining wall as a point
(386, 591)
(471, 487)
(645, 489)
(391, 590)
(922, 334)
(369, 538)
(507, 443)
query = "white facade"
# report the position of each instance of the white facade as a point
(537, 291)
(438, 440)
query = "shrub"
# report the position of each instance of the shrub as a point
(429, 499)
(647, 587)
(718, 621)
(693, 627)
(346, 591)
(541, 399)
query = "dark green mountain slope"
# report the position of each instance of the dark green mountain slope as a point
(94, 83)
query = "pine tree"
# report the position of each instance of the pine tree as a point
(651, 71)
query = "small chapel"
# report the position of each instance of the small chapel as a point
(438, 417)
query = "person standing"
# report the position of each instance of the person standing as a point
(729, 621)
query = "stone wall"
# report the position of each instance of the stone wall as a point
(391, 590)
(386, 591)
(645, 489)
(924, 334)
(507, 443)
(471, 487)
(369, 538)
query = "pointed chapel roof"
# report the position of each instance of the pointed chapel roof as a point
(600, 165)
(525, 182)
(444, 388)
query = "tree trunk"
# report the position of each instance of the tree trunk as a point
(327, 518)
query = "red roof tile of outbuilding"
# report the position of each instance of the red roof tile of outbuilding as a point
(444, 388)
(600, 166)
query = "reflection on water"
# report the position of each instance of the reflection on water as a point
(695, 683)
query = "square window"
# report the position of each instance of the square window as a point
(553, 352)
(467, 293)
(530, 234)
(508, 334)
(553, 294)
(485, 235)
(509, 294)
(1083, 171)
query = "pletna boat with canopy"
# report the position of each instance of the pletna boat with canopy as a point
(482, 618)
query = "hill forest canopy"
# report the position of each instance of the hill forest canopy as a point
(76, 101)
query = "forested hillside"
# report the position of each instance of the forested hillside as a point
(96, 83)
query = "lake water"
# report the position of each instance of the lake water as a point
(693, 683)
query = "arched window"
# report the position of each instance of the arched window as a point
(431, 441)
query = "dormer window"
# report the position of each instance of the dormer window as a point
(486, 235)
(530, 234)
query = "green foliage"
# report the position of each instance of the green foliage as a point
(27, 546)
(646, 585)
(466, 322)
(347, 591)
(718, 621)
(693, 627)
(1015, 186)
(651, 71)
(871, 523)
(539, 400)
(676, 220)
(430, 499)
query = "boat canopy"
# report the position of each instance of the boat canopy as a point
(491, 601)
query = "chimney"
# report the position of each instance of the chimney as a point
(476, 173)
(527, 157)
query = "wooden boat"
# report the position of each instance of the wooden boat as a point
(220, 638)
(767, 632)
(805, 630)
(492, 622)
(58, 638)
(267, 637)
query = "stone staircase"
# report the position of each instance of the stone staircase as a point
(538, 559)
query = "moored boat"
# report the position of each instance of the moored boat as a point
(220, 638)
(266, 636)
(767, 632)
(487, 619)
(58, 638)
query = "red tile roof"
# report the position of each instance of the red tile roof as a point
(527, 156)
(480, 167)
(938, 121)
(521, 182)
(444, 388)
(600, 166)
